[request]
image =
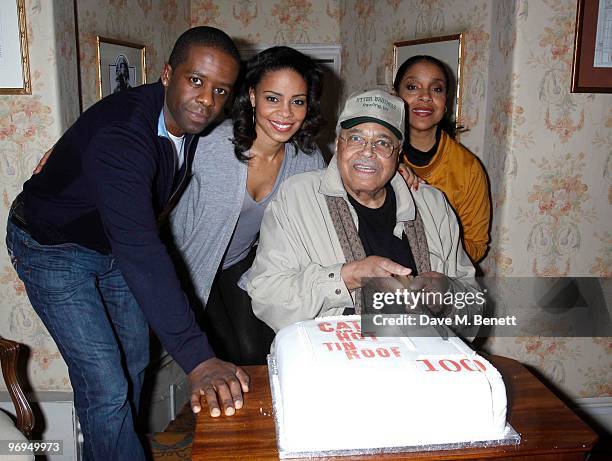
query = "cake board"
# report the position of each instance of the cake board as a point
(511, 437)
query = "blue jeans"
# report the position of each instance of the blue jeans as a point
(85, 303)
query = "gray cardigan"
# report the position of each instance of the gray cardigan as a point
(203, 221)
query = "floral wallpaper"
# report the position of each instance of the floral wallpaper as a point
(548, 152)
(271, 22)
(29, 125)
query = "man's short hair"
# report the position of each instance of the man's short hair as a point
(202, 36)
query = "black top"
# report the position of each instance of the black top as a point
(107, 184)
(419, 157)
(376, 231)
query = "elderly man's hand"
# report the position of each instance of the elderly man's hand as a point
(218, 381)
(372, 266)
(431, 282)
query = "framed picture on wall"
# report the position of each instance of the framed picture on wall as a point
(14, 60)
(448, 49)
(592, 65)
(121, 65)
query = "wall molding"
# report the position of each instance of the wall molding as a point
(57, 419)
(598, 408)
(322, 53)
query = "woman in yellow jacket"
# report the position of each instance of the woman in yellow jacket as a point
(433, 154)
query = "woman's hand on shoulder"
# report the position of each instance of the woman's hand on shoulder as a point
(412, 180)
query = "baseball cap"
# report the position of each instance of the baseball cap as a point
(377, 106)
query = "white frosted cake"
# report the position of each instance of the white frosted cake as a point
(341, 391)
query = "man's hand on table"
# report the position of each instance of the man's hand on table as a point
(220, 382)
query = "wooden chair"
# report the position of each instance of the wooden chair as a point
(9, 351)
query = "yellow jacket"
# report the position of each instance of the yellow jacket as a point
(458, 173)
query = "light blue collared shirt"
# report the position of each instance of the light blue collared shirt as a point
(177, 142)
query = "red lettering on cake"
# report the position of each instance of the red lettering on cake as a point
(349, 336)
(325, 327)
(343, 335)
(465, 363)
(329, 346)
(352, 354)
(382, 352)
(428, 364)
(367, 353)
(343, 326)
(356, 325)
(367, 336)
(455, 365)
(452, 366)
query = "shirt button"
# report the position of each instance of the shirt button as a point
(338, 291)
(331, 275)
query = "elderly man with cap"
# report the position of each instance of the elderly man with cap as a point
(328, 229)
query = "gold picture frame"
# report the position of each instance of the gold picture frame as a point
(15, 75)
(121, 65)
(448, 49)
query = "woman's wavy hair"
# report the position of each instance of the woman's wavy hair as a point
(270, 60)
(447, 124)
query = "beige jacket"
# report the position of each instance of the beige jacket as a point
(296, 273)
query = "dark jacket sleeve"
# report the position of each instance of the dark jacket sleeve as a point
(123, 179)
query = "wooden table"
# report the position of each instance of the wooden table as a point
(549, 429)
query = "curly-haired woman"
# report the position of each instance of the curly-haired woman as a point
(237, 170)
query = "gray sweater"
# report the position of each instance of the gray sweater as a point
(203, 221)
